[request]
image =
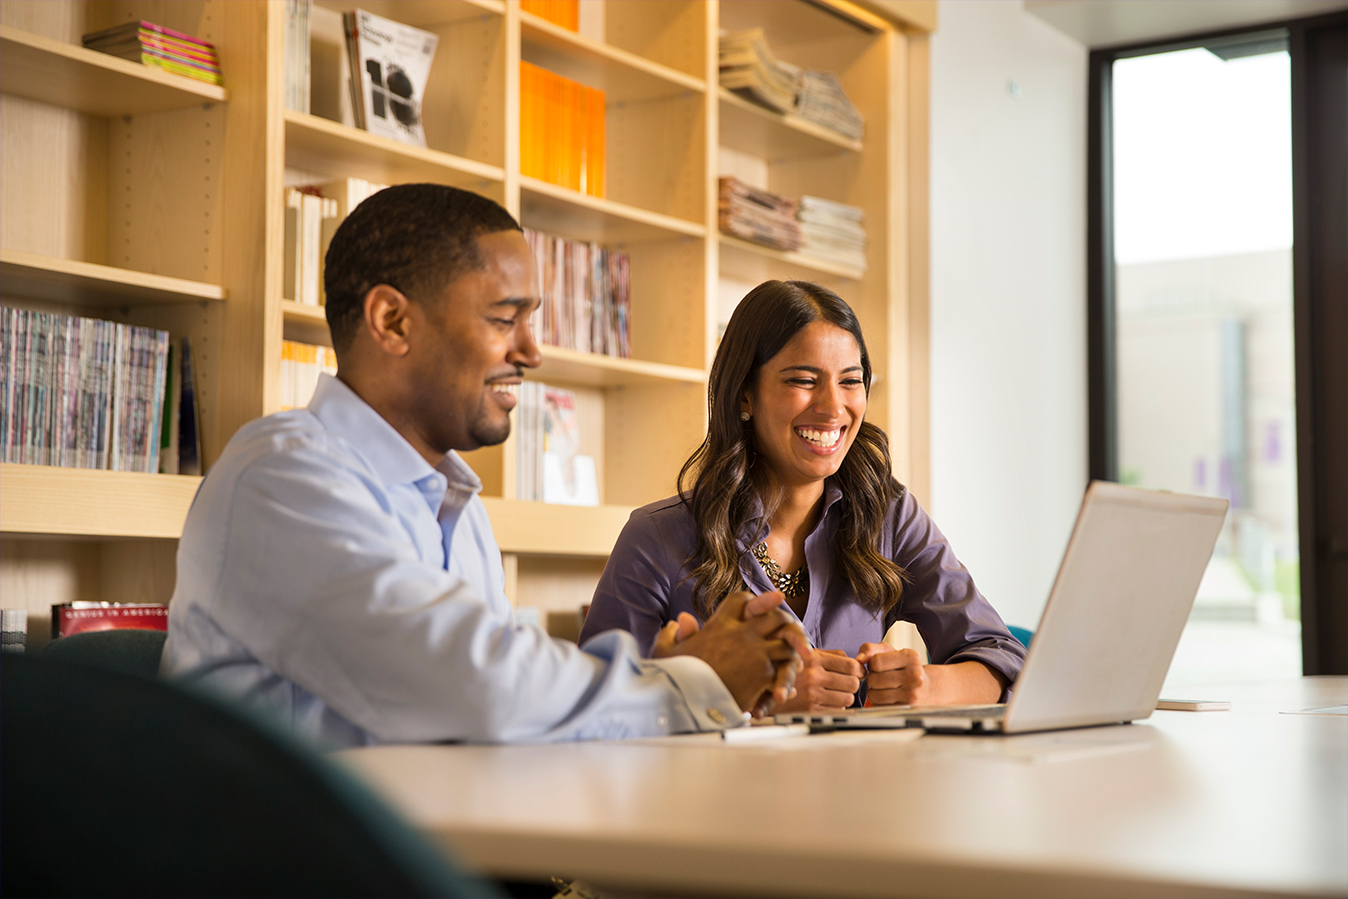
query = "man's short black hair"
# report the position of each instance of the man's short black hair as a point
(415, 237)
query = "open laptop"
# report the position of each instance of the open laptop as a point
(1113, 619)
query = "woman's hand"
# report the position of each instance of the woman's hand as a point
(898, 677)
(828, 681)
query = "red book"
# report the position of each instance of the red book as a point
(80, 617)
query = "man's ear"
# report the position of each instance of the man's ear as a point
(388, 319)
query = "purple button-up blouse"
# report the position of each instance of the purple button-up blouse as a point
(646, 584)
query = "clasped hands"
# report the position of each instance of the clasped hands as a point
(754, 646)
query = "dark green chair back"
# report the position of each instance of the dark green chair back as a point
(116, 785)
(129, 650)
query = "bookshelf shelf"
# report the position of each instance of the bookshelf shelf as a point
(70, 76)
(327, 148)
(80, 502)
(753, 129)
(562, 366)
(624, 77)
(86, 283)
(560, 210)
(736, 246)
(553, 530)
(423, 13)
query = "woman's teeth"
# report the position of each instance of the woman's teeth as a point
(823, 439)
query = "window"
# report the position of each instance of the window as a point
(1201, 369)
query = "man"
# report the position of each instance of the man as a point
(338, 566)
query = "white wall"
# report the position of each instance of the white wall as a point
(1008, 316)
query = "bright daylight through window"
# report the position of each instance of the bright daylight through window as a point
(1203, 238)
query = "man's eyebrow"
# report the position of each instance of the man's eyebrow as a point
(819, 371)
(517, 302)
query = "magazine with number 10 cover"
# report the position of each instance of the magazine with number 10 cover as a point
(391, 63)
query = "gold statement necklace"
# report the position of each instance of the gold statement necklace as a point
(791, 585)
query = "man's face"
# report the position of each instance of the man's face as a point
(474, 346)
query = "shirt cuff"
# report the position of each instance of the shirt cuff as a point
(706, 700)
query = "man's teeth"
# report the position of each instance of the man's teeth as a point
(820, 438)
(508, 389)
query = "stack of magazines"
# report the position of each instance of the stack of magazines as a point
(823, 101)
(748, 68)
(81, 393)
(155, 45)
(390, 64)
(549, 466)
(586, 295)
(757, 215)
(832, 232)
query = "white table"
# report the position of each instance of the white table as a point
(1244, 802)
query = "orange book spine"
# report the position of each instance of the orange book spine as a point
(594, 141)
(529, 120)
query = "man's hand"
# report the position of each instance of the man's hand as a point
(898, 677)
(829, 680)
(751, 644)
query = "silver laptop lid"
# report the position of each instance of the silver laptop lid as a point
(1120, 601)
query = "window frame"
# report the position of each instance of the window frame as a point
(1320, 206)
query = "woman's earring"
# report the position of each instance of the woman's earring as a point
(745, 416)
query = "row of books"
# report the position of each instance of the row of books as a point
(301, 364)
(163, 48)
(298, 75)
(549, 466)
(586, 295)
(562, 130)
(823, 229)
(84, 393)
(313, 213)
(748, 67)
(82, 617)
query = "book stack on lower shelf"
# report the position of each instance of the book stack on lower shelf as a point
(549, 464)
(81, 393)
(586, 295)
(758, 215)
(832, 232)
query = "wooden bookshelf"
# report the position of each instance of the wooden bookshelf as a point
(561, 210)
(77, 502)
(334, 150)
(733, 245)
(85, 283)
(624, 77)
(759, 131)
(142, 232)
(70, 76)
(543, 529)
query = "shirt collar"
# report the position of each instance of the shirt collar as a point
(345, 414)
(753, 525)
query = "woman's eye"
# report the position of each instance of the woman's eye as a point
(851, 382)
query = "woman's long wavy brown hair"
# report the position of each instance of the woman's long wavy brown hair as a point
(720, 482)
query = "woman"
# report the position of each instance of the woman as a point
(791, 491)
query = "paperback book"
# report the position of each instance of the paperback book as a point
(586, 295)
(83, 617)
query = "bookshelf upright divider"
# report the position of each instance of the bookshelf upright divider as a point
(143, 155)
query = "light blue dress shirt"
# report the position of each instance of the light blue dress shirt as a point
(327, 572)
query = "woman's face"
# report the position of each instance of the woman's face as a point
(808, 404)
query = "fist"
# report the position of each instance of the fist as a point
(828, 680)
(894, 676)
